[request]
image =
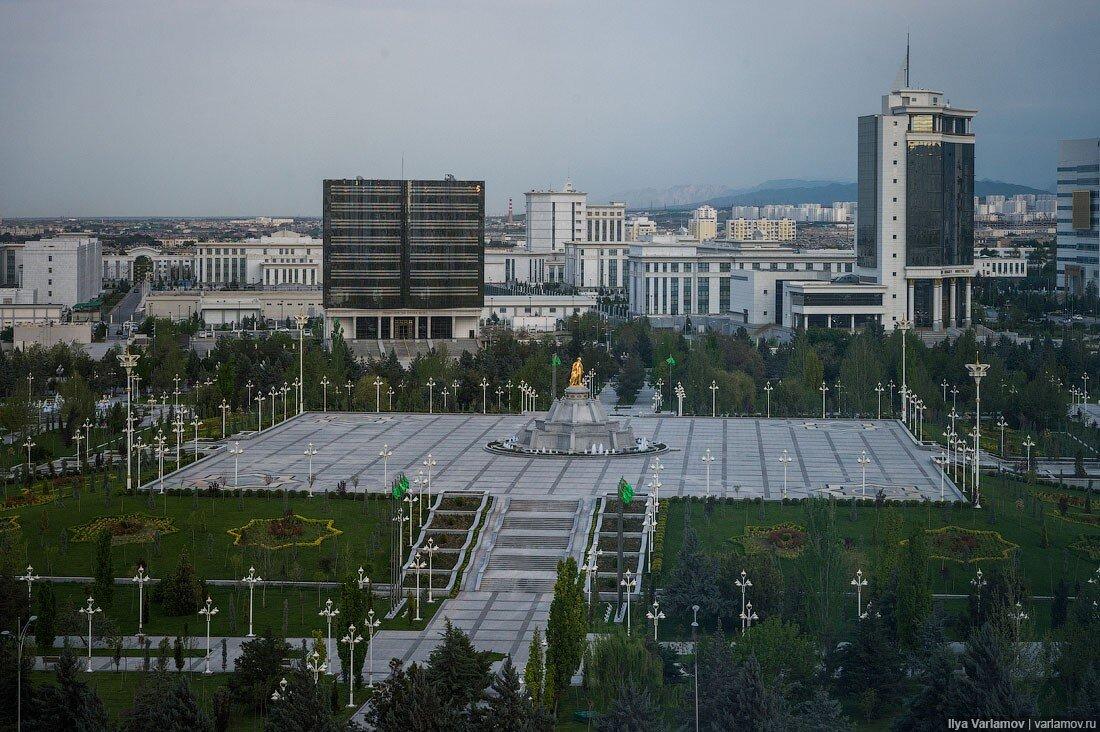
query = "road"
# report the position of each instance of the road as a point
(126, 307)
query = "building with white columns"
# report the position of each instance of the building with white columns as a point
(915, 221)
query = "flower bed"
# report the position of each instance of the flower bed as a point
(956, 544)
(26, 498)
(284, 531)
(9, 523)
(448, 539)
(133, 528)
(610, 543)
(1088, 545)
(786, 540)
(452, 521)
(452, 502)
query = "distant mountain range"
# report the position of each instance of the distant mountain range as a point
(790, 191)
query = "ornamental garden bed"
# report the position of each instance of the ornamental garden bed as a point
(451, 502)
(1089, 545)
(288, 530)
(610, 562)
(439, 580)
(134, 528)
(441, 561)
(26, 498)
(631, 524)
(9, 523)
(958, 544)
(786, 540)
(610, 543)
(451, 540)
(452, 521)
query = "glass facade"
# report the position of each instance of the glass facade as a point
(836, 298)
(939, 212)
(403, 243)
(867, 192)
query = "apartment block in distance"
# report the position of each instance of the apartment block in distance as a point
(403, 259)
(1078, 202)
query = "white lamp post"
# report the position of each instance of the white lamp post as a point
(768, 397)
(431, 394)
(236, 451)
(88, 441)
(823, 389)
(1028, 444)
(252, 579)
(785, 460)
(29, 578)
(590, 568)
(371, 625)
(160, 456)
(655, 615)
(224, 406)
(863, 460)
(77, 438)
(418, 564)
(352, 640)
(195, 445)
(878, 390)
(140, 579)
(708, 458)
(713, 398)
(859, 583)
(743, 584)
(629, 583)
(979, 582)
(943, 469)
(315, 665)
(454, 390)
(328, 614)
(309, 452)
(747, 616)
(1002, 424)
(324, 392)
(260, 411)
(385, 453)
(904, 326)
(430, 548)
(139, 446)
(484, 395)
(377, 394)
(286, 388)
(977, 371)
(90, 611)
(679, 391)
(429, 463)
(300, 320)
(29, 444)
(281, 693)
(128, 361)
(209, 611)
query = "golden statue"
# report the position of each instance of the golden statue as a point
(576, 375)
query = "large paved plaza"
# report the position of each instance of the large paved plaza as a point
(747, 455)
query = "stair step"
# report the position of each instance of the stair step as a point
(525, 584)
(525, 562)
(535, 505)
(534, 523)
(524, 541)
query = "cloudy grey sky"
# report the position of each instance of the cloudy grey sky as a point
(243, 106)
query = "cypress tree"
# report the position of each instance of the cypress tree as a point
(103, 578)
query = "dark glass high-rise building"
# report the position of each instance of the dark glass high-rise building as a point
(412, 248)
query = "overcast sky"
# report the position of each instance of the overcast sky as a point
(243, 107)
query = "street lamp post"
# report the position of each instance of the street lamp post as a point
(454, 391)
(20, 639)
(377, 394)
(747, 616)
(708, 458)
(785, 460)
(629, 583)
(236, 451)
(943, 468)
(1028, 444)
(224, 406)
(371, 625)
(859, 583)
(260, 411)
(823, 389)
(352, 640)
(695, 657)
(979, 582)
(29, 444)
(300, 320)
(743, 584)
(385, 453)
(977, 371)
(713, 398)
(347, 391)
(209, 611)
(328, 614)
(878, 390)
(431, 394)
(315, 665)
(90, 611)
(128, 361)
(418, 564)
(309, 452)
(29, 578)
(1002, 424)
(252, 580)
(429, 463)
(140, 579)
(430, 548)
(768, 397)
(904, 325)
(679, 391)
(160, 440)
(484, 398)
(324, 392)
(656, 615)
(863, 460)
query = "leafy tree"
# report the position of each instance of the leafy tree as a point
(871, 663)
(931, 706)
(914, 604)
(693, 580)
(534, 673)
(165, 703)
(780, 648)
(820, 713)
(408, 700)
(459, 672)
(820, 568)
(995, 682)
(509, 707)
(181, 592)
(103, 577)
(353, 604)
(566, 627)
(45, 628)
(633, 710)
(258, 669)
(304, 707)
(66, 705)
(763, 570)
(616, 661)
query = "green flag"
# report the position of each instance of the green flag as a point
(555, 361)
(670, 361)
(626, 491)
(400, 487)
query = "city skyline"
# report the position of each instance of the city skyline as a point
(122, 109)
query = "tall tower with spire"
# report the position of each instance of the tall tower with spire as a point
(915, 226)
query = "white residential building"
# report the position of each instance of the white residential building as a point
(703, 224)
(761, 229)
(64, 270)
(640, 227)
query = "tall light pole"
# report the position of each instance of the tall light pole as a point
(286, 388)
(30, 577)
(347, 389)
(300, 320)
(785, 460)
(863, 460)
(324, 391)
(1002, 424)
(484, 397)
(371, 625)
(747, 616)
(140, 579)
(878, 390)
(743, 584)
(224, 406)
(823, 389)
(88, 441)
(977, 370)
(429, 463)
(430, 548)
(629, 583)
(431, 394)
(29, 444)
(904, 325)
(454, 388)
(708, 458)
(859, 583)
(352, 640)
(209, 611)
(385, 453)
(90, 611)
(418, 564)
(695, 657)
(315, 665)
(129, 361)
(160, 440)
(713, 398)
(309, 452)
(679, 391)
(943, 385)
(260, 412)
(768, 397)
(943, 468)
(236, 451)
(20, 639)
(656, 615)
(251, 580)
(979, 582)
(328, 613)
(1028, 444)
